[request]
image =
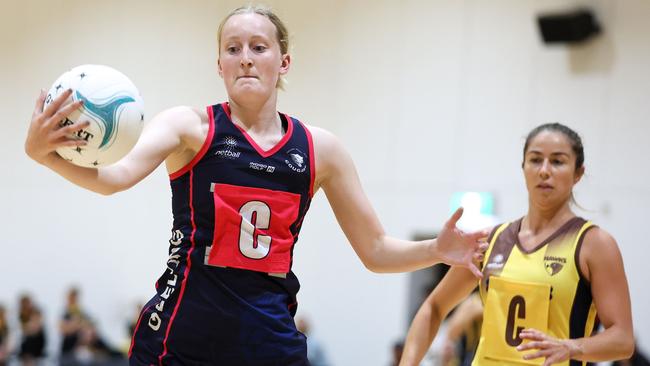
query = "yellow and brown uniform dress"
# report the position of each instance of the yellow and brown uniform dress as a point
(542, 288)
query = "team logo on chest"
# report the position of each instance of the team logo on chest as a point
(296, 160)
(554, 264)
(228, 148)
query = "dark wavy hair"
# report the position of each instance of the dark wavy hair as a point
(574, 139)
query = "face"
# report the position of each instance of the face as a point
(250, 60)
(549, 169)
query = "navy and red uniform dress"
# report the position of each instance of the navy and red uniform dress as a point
(228, 295)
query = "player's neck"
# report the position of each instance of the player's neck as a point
(539, 219)
(260, 117)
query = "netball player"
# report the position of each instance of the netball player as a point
(242, 178)
(546, 275)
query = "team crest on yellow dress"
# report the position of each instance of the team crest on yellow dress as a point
(554, 264)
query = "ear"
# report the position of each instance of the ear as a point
(219, 69)
(579, 173)
(286, 62)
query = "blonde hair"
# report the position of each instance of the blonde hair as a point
(281, 32)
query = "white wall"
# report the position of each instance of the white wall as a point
(430, 97)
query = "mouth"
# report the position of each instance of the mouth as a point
(545, 186)
(247, 77)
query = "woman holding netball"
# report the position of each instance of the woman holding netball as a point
(242, 177)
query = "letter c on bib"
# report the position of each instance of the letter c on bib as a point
(255, 215)
(518, 305)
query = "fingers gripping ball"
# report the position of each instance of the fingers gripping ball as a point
(112, 105)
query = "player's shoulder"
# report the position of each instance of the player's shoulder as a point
(597, 242)
(323, 139)
(597, 236)
(497, 228)
(188, 124)
(329, 153)
(183, 114)
(318, 131)
(183, 120)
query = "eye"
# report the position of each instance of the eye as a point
(557, 162)
(535, 160)
(259, 48)
(232, 49)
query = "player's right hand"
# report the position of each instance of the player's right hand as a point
(45, 133)
(457, 248)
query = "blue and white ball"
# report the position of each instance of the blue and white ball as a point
(112, 105)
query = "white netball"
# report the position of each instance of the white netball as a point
(112, 105)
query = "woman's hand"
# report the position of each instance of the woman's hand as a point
(45, 134)
(554, 350)
(458, 248)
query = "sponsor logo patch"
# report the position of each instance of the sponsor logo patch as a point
(261, 167)
(496, 263)
(229, 148)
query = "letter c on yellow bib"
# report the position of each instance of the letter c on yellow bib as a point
(510, 307)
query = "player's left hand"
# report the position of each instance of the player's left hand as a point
(458, 248)
(553, 349)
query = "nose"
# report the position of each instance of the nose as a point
(246, 60)
(544, 169)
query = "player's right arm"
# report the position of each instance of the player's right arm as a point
(454, 287)
(162, 137)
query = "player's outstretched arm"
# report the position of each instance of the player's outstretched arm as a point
(453, 288)
(602, 265)
(160, 138)
(336, 174)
